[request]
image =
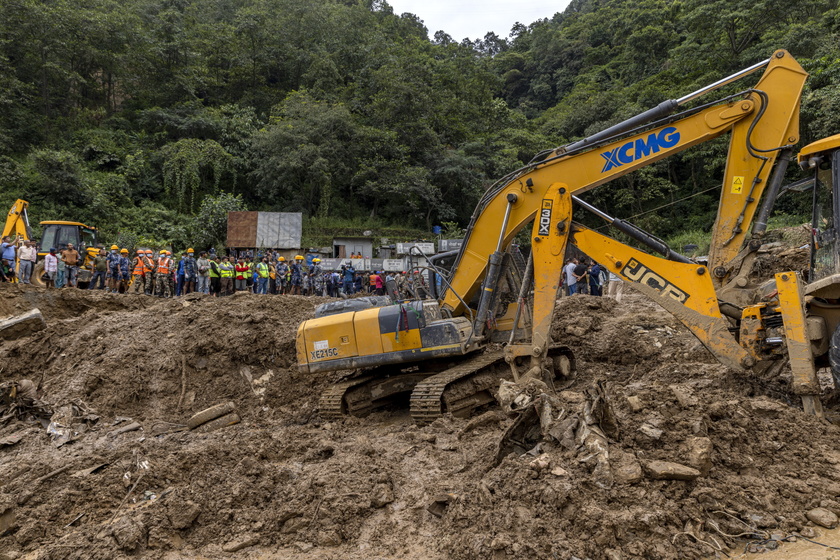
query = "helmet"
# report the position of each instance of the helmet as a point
(150, 252)
(124, 250)
(164, 252)
(114, 248)
(298, 258)
(140, 251)
(190, 250)
(316, 260)
(282, 259)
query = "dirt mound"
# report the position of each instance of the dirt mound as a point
(285, 484)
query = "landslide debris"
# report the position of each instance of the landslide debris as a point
(286, 484)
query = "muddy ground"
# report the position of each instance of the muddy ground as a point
(284, 483)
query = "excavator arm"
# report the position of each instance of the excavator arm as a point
(763, 122)
(17, 221)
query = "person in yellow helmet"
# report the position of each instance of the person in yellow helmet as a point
(190, 272)
(281, 270)
(316, 276)
(124, 273)
(296, 279)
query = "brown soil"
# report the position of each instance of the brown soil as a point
(285, 484)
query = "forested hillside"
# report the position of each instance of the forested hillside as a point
(138, 115)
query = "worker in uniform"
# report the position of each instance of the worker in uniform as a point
(163, 275)
(190, 270)
(316, 274)
(297, 273)
(149, 267)
(113, 269)
(138, 271)
(124, 274)
(213, 274)
(262, 276)
(226, 272)
(282, 270)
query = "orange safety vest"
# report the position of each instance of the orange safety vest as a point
(148, 264)
(164, 266)
(138, 267)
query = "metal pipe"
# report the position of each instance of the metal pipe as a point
(511, 198)
(772, 194)
(523, 292)
(636, 233)
(725, 81)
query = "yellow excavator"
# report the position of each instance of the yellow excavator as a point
(55, 234)
(442, 351)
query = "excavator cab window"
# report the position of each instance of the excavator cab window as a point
(88, 239)
(826, 210)
(59, 235)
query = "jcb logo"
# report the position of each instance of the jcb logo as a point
(545, 218)
(639, 273)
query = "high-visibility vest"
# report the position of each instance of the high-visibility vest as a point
(138, 267)
(226, 270)
(148, 264)
(214, 269)
(262, 270)
(164, 266)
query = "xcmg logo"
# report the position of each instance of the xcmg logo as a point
(668, 137)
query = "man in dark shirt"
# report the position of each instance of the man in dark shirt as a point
(100, 270)
(580, 273)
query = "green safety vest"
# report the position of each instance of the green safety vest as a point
(226, 270)
(214, 269)
(262, 270)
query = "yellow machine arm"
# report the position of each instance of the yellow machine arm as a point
(17, 221)
(762, 121)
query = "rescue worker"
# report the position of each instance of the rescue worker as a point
(100, 270)
(262, 273)
(138, 271)
(190, 271)
(282, 271)
(226, 272)
(241, 276)
(213, 274)
(113, 269)
(149, 267)
(316, 273)
(163, 275)
(296, 270)
(124, 275)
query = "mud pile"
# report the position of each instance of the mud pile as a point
(285, 484)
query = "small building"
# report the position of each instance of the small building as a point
(343, 247)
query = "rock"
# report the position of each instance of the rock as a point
(684, 395)
(764, 406)
(699, 454)
(540, 463)
(559, 471)
(612, 554)
(627, 470)
(381, 496)
(241, 542)
(665, 470)
(182, 515)
(129, 533)
(302, 546)
(651, 431)
(329, 538)
(808, 532)
(22, 325)
(822, 517)
(635, 403)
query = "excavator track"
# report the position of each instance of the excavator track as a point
(332, 404)
(458, 390)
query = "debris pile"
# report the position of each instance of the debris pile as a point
(189, 432)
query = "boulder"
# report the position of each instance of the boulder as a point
(665, 470)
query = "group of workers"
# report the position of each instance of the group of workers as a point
(161, 275)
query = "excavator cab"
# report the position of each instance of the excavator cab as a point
(58, 234)
(823, 159)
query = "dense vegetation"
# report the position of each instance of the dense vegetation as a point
(150, 117)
